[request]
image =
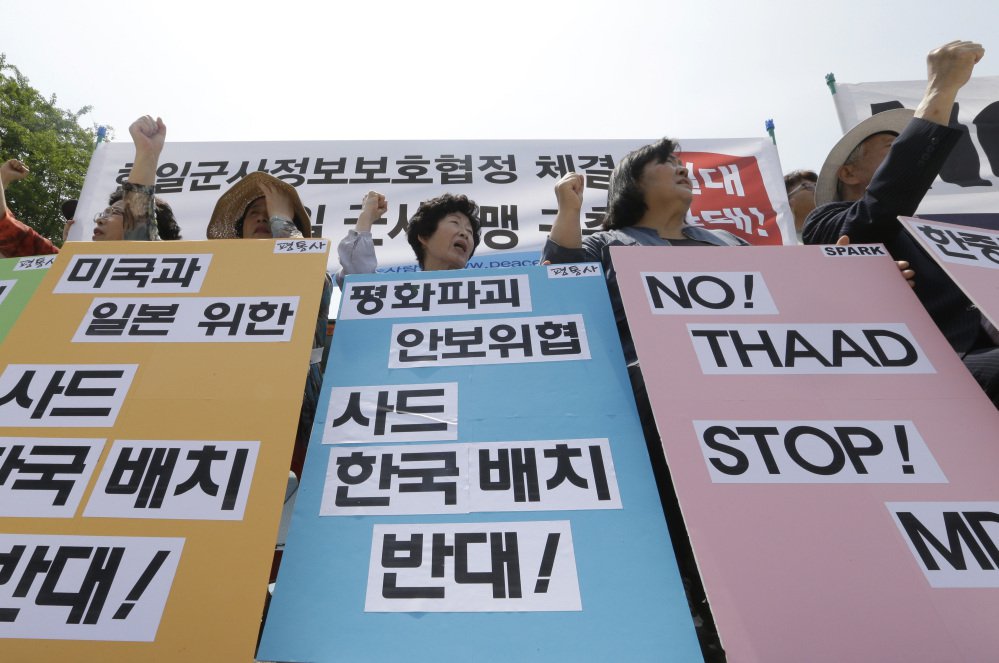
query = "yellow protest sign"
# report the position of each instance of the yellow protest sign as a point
(149, 397)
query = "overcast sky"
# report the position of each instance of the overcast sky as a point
(382, 69)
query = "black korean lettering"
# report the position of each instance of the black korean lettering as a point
(106, 320)
(402, 221)
(201, 476)
(512, 468)
(76, 389)
(86, 270)
(463, 340)
(458, 292)
(263, 312)
(501, 291)
(141, 584)
(454, 170)
(150, 316)
(201, 180)
(500, 225)
(222, 315)
(170, 177)
(499, 169)
(397, 554)
(19, 394)
(147, 475)
(413, 169)
(354, 470)
(369, 169)
(549, 331)
(352, 221)
(564, 471)
(8, 564)
(291, 171)
(326, 169)
(427, 475)
(504, 553)
(47, 472)
(352, 412)
(413, 295)
(86, 603)
(177, 271)
(408, 340)
(506, 340)
(405, 404)
(137, 270)
(554, 167)
(370, 298)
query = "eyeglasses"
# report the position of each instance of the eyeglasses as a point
(108, 213)
(804, 186)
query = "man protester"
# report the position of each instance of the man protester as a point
(880, 170)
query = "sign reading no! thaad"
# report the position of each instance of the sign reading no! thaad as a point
(821, 434)
(477, 483)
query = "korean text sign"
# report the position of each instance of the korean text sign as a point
(834, 461)
(19, 277)
(738, 186)
(970, 256)
(149, 396)
(477, 483)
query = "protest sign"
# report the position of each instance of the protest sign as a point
(149, 397)
(19, 277)
(969, 180)
(826, 445)
(970, 256)
(737, 183)
(477, 483)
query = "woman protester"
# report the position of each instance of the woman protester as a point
(261, 206)
(443, 233)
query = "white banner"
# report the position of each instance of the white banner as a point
(969, 181)
(738, 186)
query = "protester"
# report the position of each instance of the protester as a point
(647, 201)
(880, 170)
(17, 239)
(443, 233)
(68, 210)
(800, 186)
(261, 206)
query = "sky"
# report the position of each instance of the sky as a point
(439, 69)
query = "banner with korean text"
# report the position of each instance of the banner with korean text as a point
(149, 397)
(478, 483)
(737, 183)
(19, 278)
(834, 460)
(969, 181)
(970, 256)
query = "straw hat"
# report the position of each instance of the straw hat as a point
(233, 203)
(890, 121)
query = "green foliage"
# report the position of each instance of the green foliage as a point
(51, 142)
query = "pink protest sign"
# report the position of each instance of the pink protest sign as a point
(834, 461)
(970, 256)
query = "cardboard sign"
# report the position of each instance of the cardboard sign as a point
(142, 461)
(487, 481)
(970, 256)
(19, 278)
(825, 451)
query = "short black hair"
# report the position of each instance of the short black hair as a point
(625, 198)
(166, 222)
(424, 222)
